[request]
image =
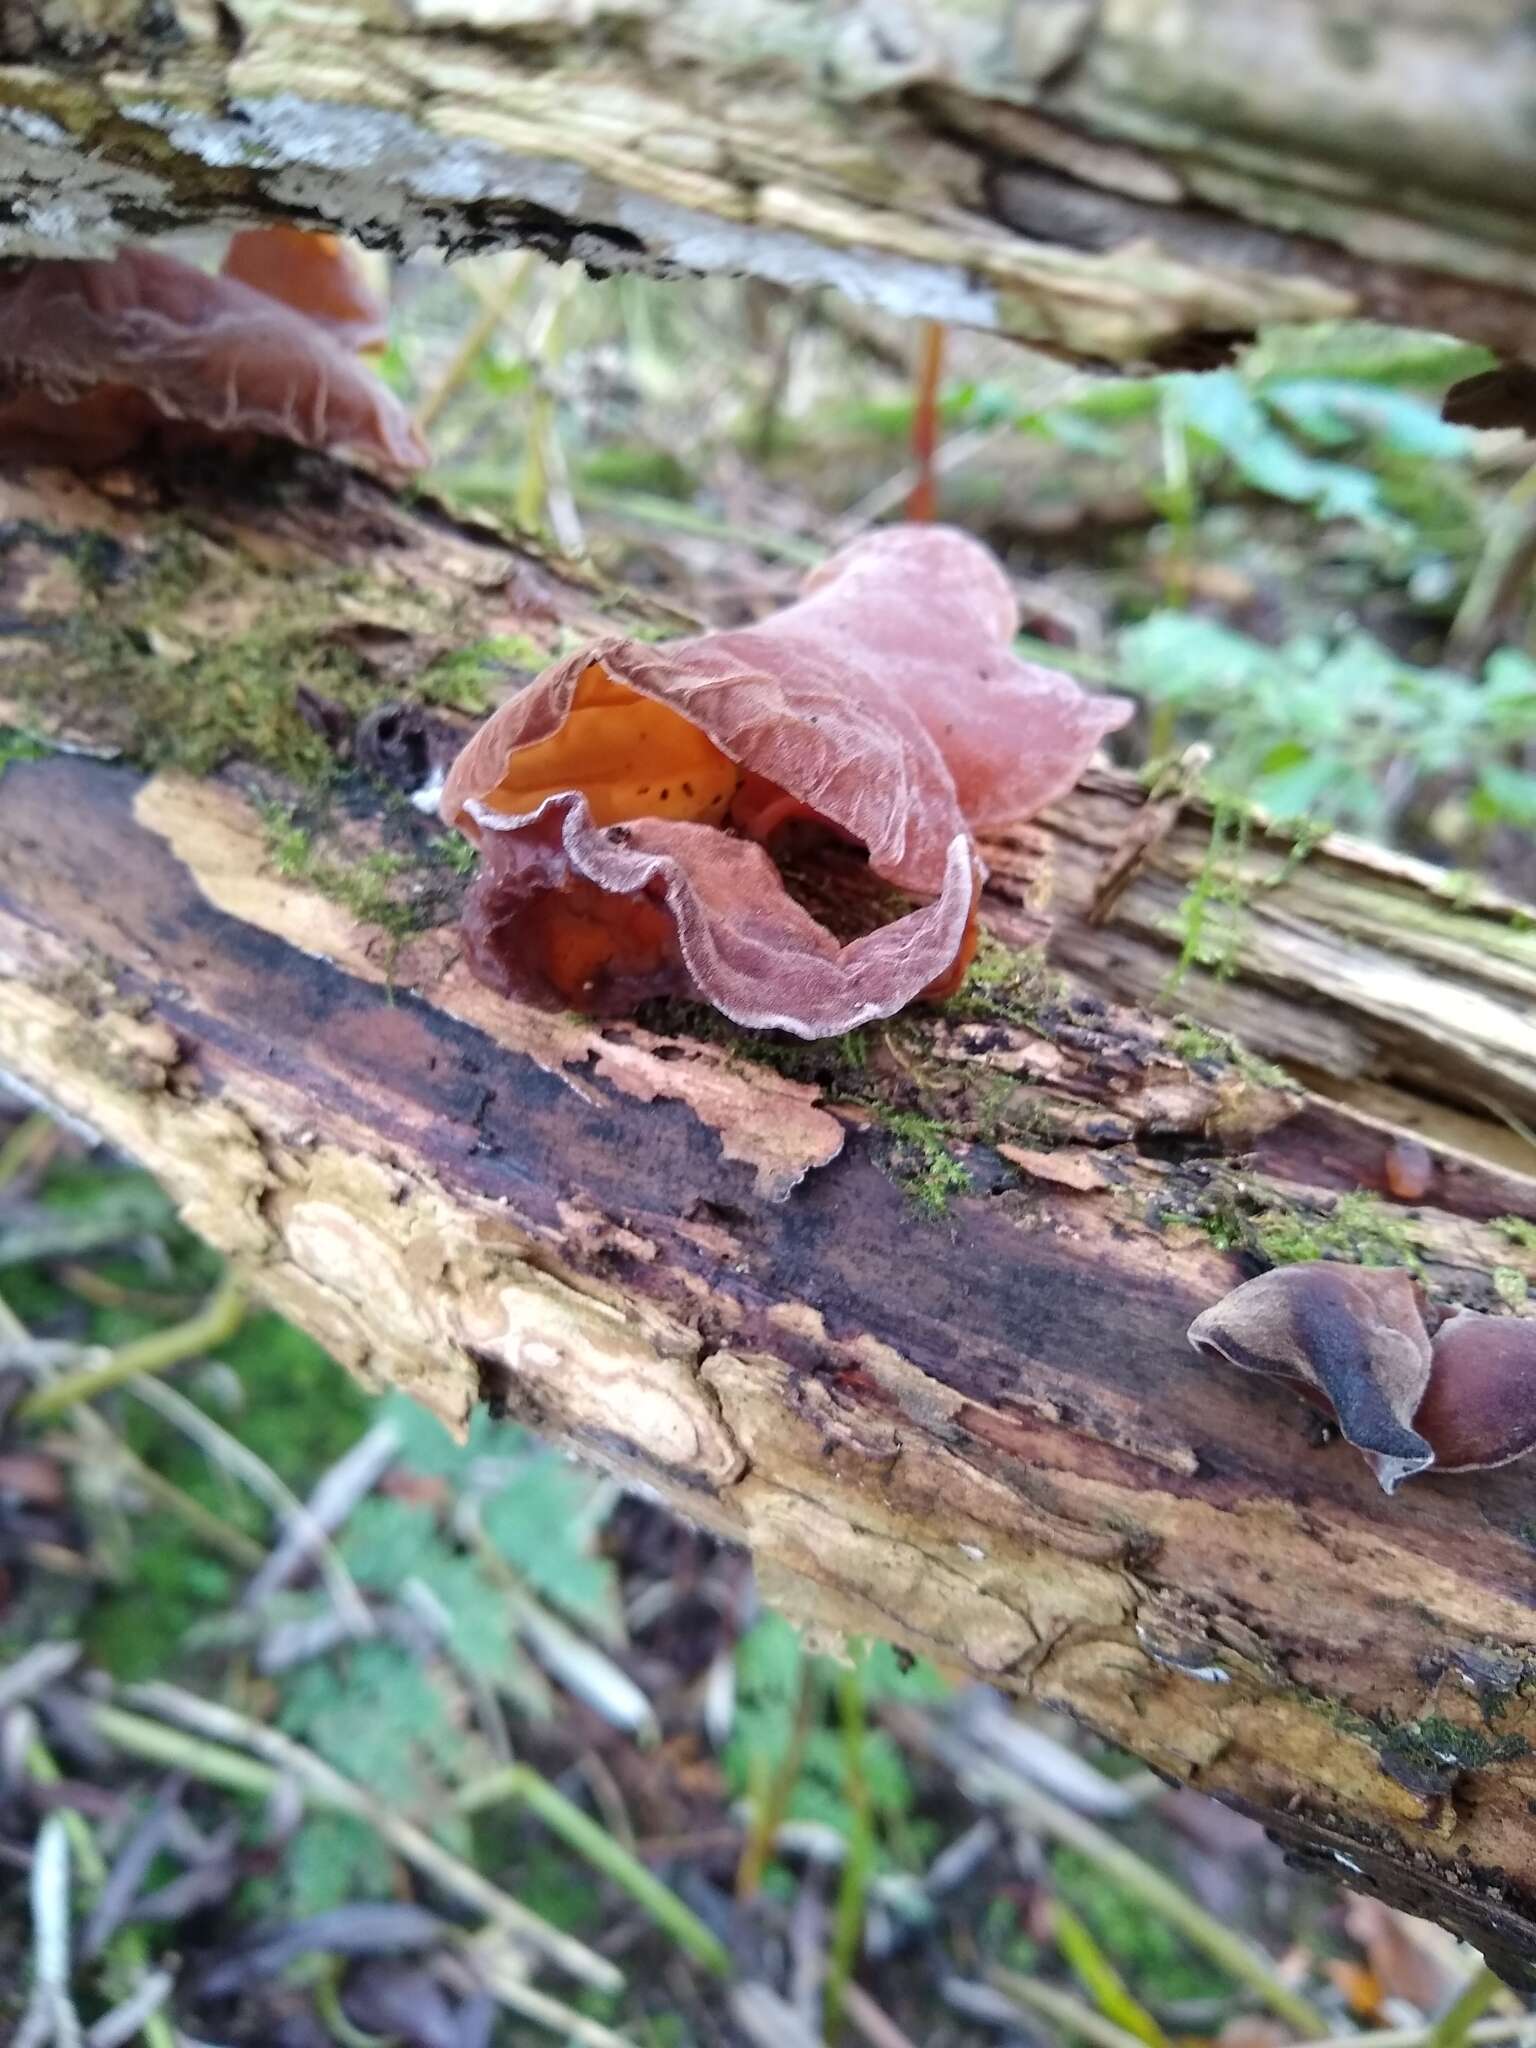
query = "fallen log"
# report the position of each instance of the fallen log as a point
(1143, 181)
(904, 1313)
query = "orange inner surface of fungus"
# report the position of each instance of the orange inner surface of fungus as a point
(583, 938)
(313, 272)
(634, 758)
(630, 758)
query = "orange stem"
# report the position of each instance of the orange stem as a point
(924, 500)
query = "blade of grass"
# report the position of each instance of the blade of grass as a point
(214, 1323)
(772, 1790)
(1231, 1951)
(853, 1888)
(207, 1740)
(1062, 2008)
(1470, 2003)
(590, 1840)
(478, 336)
(1099, 1977)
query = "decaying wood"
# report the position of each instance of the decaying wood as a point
(1122, 180)
(980, 1432)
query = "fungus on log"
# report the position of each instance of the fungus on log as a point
(97, 358)
(885, 707)
(712, 1259)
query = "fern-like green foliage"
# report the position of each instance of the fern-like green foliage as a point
(1310, 728)
(786, 1720)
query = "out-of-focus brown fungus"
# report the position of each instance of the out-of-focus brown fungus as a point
(1480, 1406)
(1408, 1170)
(97, 357)
(1350, 1334)
(615, 801)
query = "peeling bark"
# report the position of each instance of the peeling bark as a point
(981, 1433)
(1121, 180)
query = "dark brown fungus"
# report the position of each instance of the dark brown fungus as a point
(1350, 1334)
(1480, 1405)
(1408, 1170)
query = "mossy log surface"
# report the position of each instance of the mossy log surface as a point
(1121, 180)
(905, 1313)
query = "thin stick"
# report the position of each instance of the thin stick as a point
(216, 1321)
(506, 1984)
(333, 1497)
(589, 1839)
(872, 2021)
(1222, 1944)
(130, 1947)
(34, 1670)
(478, 336)
(100, 1440)
(923, 502)
(50, 1934)
(221, 1733)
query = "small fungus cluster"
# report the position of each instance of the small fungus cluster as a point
(624, 803)
(97, 359)
(1354, 1340)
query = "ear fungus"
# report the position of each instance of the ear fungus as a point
(1352, 1335)
(1408, 1170)
(1479, 1409)
(316, 274)
(96, 357)
(885, 706)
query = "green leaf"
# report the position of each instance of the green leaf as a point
(1505, 796)
(479, 1616)
(541, 1522)
(1400, 356)
(387, 1541)
(425, 1445)
(1337, 411)
(332, 1860)
(887, 1673)
(374, 1712)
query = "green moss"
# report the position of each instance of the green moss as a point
(1005, 986)
(462, 680)
(1511, 1286)
(1194, 1042)
(1517, 1230)
(1435, 1742)
(1238, 1216)
(195, 705)
(18, 746)
(395, 890)
(456, 853)
(923, 1162)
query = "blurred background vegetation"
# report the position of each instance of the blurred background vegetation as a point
(326, 1728)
